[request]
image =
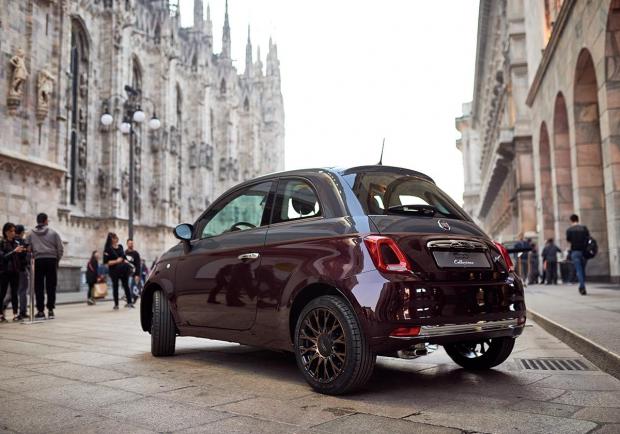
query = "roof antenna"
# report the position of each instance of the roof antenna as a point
(381, 159)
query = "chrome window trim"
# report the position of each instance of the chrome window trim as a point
(457, 244)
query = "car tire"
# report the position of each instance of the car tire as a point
(349, 364)
(163, 329)
(481, 355)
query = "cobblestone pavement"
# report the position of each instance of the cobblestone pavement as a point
(90, 371)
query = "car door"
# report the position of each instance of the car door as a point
(216, 279)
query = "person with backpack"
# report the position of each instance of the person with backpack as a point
(9, 269)
(579, 238)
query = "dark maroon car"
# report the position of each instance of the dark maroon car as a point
(338, 266)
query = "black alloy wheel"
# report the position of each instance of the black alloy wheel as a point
(483, 354)
(322, 345)
(330, 347)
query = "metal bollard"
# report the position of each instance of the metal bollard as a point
(32, 321)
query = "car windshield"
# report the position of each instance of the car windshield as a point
(397, 193)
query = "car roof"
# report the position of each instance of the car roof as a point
(347, 171)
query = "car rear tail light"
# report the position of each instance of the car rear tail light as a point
(505, 255)
(386, 254)
(403, 332)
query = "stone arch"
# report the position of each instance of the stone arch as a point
(563, 197)
(246, 104)
(546, 188)
(611, 143)
(590, 184)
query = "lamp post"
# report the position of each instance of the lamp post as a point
(133, 115)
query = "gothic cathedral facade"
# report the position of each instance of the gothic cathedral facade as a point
(65, 63)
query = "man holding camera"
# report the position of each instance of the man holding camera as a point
(47, 250)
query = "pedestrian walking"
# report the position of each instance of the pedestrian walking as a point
(133, 256)
(550, 261)
(114, 256)
(9, 269)
(24, 259)
(47, 250)
(92, 276)
(577, 235)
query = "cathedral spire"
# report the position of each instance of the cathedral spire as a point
(273, 64)
(198, 15)
(259, 63)
(226, 36)
(248, 55)
(209, 23)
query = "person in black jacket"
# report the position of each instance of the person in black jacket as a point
(92, 273)
(114, 256)
(9, 269)
(550, 261)
(577, 235)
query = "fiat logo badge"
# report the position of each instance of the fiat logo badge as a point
(443, 225)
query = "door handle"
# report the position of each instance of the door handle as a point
(248, 256)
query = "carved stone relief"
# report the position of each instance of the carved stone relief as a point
(45, 86)
(18, 77)
(102, 182)
(193, 156)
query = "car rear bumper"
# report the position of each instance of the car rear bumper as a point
(444, 312)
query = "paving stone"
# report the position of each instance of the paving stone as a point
(106, 426)
(14, 372)
(72, 371)
(145, 385)
(19, 415)
(83, 396)
(34, 383)
(499, 420)
(579, 382)
(204, 396)
(243, 424)
(88, 358)
(274, 409)
(381, 404)
(608, 429)
(548, 408)
(599, 414)
(366, 423)
(160, 414)
(588, 398)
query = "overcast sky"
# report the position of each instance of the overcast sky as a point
(356, 71)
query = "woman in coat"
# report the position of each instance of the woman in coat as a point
(9, 269)
(114, 256)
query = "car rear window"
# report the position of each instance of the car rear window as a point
(382, 193)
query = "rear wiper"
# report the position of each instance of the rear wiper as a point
(421, 210)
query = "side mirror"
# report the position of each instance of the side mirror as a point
(184, 232)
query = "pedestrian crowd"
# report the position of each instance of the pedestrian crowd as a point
(572, 265)
(43, 246)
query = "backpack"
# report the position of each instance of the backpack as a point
(591, 248)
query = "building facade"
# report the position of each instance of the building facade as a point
(568, 113)
(67, 62)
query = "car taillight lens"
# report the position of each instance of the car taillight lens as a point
(386, 254)
(505, 255)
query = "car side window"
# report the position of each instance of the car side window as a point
(242, 211)
(295, 200)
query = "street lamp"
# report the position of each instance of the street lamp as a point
(133, 114)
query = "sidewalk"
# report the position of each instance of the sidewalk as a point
(590, 324)
(79, 297)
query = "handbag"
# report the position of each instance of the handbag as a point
(100, 290)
